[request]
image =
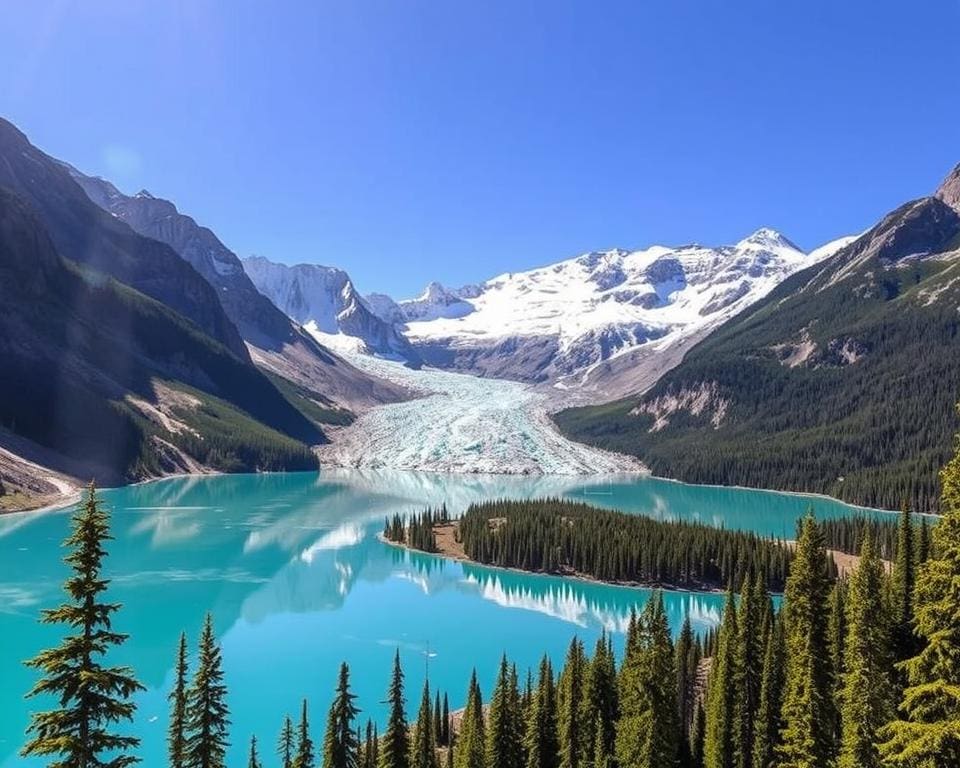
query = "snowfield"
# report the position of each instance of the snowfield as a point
(463, 424)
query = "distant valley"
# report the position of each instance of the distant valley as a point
(757, 363)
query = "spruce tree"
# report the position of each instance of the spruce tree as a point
(647, 733)
(437, 719)
(929, 734)
(395, 752)
(505, 725)
(719, 743)
(424, 747)
(903, 586)
(285, 743)
(748, 664)
(601, 699)
(923, 542)
(685, 687)
(340, 742)
(837, 632)
(177, 730)
(207, 712)
(517, 716)
(569, 700)
(91, 697)
(305, 757)
(254, 760)
(697, 735)
(371, 754)
(540, 742)
(471, 743)
(447, 740)
(808, 708)
(867, 694)
(769, 722)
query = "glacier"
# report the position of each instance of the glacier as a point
(462, 423)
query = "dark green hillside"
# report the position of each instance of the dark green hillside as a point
(842, 381)
(84, 233)
(85, 358)
(558, 536)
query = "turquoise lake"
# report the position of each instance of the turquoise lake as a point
(297, 581)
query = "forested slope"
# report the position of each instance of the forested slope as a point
(842, 381)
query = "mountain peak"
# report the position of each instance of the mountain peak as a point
(144, 195)
(949, 190)
(765, 237)
(435, 291)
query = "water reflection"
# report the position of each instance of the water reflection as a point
(297, 580)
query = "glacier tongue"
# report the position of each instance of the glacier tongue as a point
(463, 423)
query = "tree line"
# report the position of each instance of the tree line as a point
(416, 530)
(560, 536)
(860, 672)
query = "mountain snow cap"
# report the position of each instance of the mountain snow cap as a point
(767, 238)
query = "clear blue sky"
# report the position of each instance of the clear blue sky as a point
(410, 140)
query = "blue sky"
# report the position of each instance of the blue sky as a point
(410, 140)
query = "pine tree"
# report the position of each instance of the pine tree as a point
(904, 578)
(371, 752)
(540, 742)
(177, 731)
(930, 734)
(837, 635)
(923, 542)
(749, 669)
(505, 726)
(340, 743)
(808, 710)
(471, 743)
(91, 697)
(685, 689)
(601, 706)
(769, 722)
(647, 733)
(697, 735)
(254, 760)
(285, 743)
(437, 720)
(722, 693)
(424, 748)
(305, 756)
(569, 700)
(207, 712)
(867, 692)
(446, 721)
(395, 752)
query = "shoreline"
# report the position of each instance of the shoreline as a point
(76, 495)
(579, 577)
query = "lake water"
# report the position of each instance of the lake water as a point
(297, 581)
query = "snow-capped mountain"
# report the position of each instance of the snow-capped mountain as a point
(324, 300)
(582, 319)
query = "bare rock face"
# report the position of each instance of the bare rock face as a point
(85, 233)
(258, 321)
(949, 191)
(276, 342)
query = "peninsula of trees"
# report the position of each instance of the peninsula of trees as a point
(563, 537)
